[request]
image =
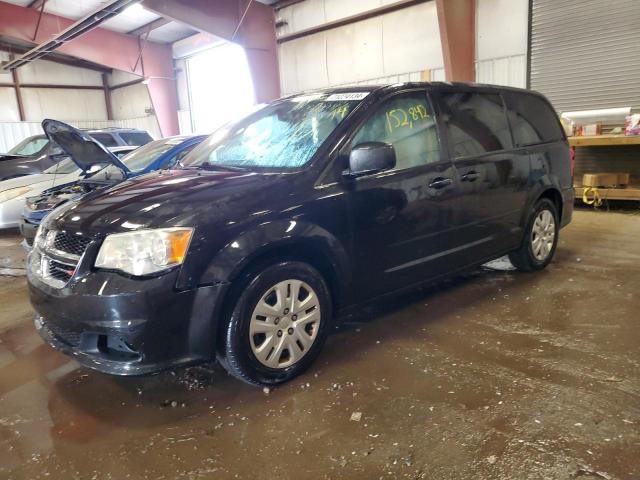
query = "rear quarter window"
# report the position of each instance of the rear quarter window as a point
(475, 122)
(135, 138)
(532, 120)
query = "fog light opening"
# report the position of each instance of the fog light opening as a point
(116, 348)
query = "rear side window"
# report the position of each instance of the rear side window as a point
(105, 139)
(135, 138)
(532, 120)
(475, 123)
(406, 122)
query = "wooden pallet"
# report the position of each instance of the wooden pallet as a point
(629, 193)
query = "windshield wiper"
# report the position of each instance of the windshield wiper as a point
(212, 166)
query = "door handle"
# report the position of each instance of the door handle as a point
(470, 176)
(440, 182)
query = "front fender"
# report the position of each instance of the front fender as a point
(226, 264)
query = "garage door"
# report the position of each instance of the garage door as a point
(586, 54)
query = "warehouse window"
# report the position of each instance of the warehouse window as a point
(406, 122)
(476, 123)
(220, 87)
(532, 119)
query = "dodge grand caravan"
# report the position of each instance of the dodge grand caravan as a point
(306, 208)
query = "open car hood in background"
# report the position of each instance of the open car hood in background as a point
(86, 152)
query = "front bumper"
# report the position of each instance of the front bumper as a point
(127, 326)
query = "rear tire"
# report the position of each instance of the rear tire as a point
(540, 240)
(278, 325)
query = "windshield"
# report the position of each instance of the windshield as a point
(142, 157)
(29, 146)
(63, 167)
(284, 135)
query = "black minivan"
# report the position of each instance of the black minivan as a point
(283, 221)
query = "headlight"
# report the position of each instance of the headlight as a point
(38, 241)
(145, 251)
(13, 193)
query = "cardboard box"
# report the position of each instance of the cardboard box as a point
(604, 179)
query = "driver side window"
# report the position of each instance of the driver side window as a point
(406, 122)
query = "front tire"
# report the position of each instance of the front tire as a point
(278, 325)
(541, 238)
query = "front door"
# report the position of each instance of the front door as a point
(401, 217)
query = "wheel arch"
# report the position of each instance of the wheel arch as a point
(544, 188)
(306, 250)
(234, 264)
(555, 196)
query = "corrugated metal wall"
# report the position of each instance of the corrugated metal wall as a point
(381, 49)
(437, 75)
(586, 54)
(510, 71)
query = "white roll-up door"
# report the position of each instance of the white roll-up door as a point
(585, 54)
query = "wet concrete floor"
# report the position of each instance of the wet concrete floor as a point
(496, 375)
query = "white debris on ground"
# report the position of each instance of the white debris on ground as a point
(356, 416)
(502, 264)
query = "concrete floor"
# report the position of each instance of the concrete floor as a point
(495, 375)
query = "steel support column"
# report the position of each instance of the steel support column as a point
(107, 96)
(456, 19)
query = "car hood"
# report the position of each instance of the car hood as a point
(183, 197)
(24, 181)
(86, 152)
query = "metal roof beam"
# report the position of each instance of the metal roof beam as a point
(157, 23)
(101, 46)
(82, 26)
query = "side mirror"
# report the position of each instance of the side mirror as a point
(371, 157)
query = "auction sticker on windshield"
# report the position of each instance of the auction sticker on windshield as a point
(345, 97)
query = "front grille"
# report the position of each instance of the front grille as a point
(60, 271)
(68, 243)
(56, 256)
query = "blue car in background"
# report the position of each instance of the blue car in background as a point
(101, 168)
